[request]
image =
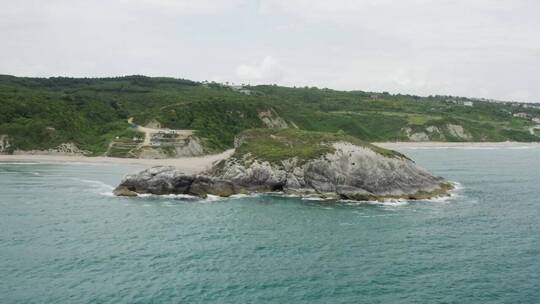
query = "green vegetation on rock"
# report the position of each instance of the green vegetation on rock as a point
(274, 145)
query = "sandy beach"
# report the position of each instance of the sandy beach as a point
(201, 163)
(187, 164)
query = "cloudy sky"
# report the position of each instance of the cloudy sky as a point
(477, 48)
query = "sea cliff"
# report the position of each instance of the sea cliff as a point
(331, 166)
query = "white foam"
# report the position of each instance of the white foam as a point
(96, 183)
(176, 197)
(21, 163)
(179, 196)
(312, 198)
(387, 202)
(242, 195)
(522, 148)
(458, 187)
(109, 194)
(213, 198)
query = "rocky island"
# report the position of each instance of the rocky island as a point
(292, 161)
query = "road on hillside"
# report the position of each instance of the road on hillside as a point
(149, 131)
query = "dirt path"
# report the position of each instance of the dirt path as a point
(149, 131)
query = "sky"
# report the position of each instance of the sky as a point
(474, 48)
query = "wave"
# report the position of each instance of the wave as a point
(311, 198)
(387, 202)
(99, 186)
(22, 163)
(68, 163)
(95, 182)
(174, 197)
(458, 187)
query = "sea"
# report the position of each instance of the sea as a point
(65, 239)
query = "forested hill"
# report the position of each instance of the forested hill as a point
(43, 113)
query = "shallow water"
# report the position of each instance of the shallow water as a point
(64, 238)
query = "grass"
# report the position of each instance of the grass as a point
(123, 145)
(91, 112)
(277, 145)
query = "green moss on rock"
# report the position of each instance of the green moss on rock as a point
(275, 145)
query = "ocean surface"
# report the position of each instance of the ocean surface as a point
(65, 239)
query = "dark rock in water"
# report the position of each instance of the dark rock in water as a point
(124, 191)
(348, 171)
(158, 180)
(204, 185)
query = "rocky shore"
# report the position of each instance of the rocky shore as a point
(301, 164)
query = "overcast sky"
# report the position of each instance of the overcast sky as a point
(476, 48)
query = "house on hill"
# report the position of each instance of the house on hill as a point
(521, 115)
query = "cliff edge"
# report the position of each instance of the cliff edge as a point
(331, 166)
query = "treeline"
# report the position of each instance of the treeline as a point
(39, 113)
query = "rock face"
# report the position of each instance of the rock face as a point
(458, 132)
(348, 172)
(433, 133)
(169, 180)
(177, 148)
(4, 144)
(272, 120)
(62, 149)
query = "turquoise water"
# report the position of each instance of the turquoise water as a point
(63, 238)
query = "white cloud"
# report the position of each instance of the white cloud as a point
(268, 70)
(482, 48)
(186, 7)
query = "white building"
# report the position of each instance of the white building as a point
(521, 115)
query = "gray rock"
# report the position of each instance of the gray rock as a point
(124, 191)
(203, 186)
(158, 180)
(350, 172)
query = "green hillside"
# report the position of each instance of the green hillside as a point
(41, 113)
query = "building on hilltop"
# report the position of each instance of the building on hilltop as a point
(521, 115)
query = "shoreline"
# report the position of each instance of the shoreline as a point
(455, 145)
(191, 165)
(200, 163)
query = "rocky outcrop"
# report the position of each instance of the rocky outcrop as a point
(176, 148)
(169, 180)
(434, 133)
(191, 147)
(63, 149)
(272, 120)
(458, 131)
(348, 172)
(4, 144)
(416, 136)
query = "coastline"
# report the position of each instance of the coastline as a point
(457, 145)
(193, 165)
(190, 165)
